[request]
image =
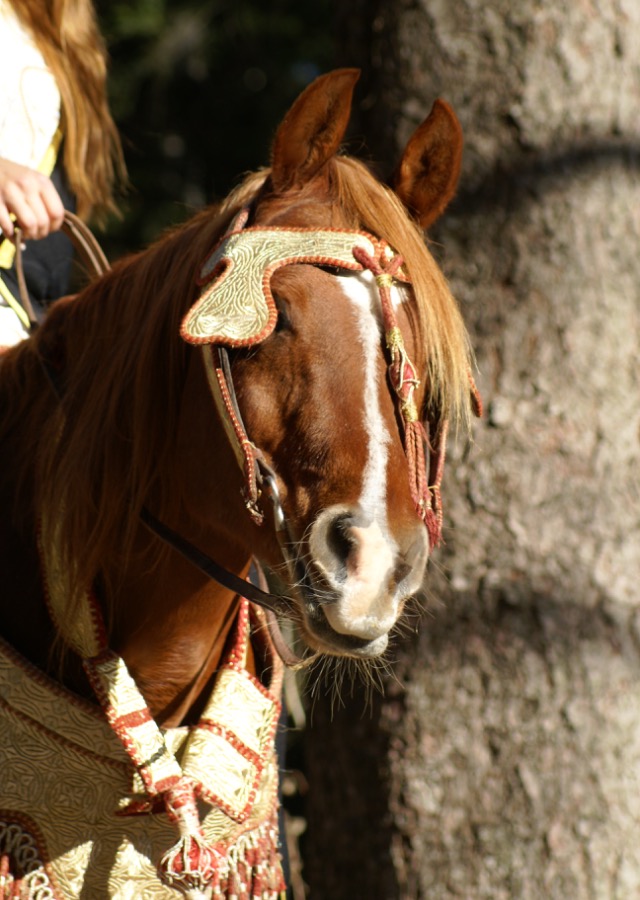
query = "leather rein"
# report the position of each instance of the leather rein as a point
(274, 605)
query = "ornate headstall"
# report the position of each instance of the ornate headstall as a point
(236, 309)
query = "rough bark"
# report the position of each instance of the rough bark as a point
(504, 758)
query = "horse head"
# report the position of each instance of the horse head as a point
(300, 305)
(273, 380)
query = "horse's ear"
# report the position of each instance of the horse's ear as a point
(427, 176)
(313, 129)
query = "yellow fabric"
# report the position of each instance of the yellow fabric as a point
(48, 163)
(10, 300)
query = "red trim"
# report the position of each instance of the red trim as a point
(31, 828)
(284, 229)
(45, 681)
(225, 265)
(134, 719)
(248, 449)
(59, 739)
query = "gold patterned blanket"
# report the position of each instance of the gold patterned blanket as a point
(74, 818)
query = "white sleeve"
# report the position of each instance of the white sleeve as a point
(29, 97)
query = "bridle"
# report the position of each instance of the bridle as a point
(236, 310)
(93, 257)
(214, 325)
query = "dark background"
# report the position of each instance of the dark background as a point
(197, 90)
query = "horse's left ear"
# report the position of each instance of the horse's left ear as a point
(313, 129)
(427, 176)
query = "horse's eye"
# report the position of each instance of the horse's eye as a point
(332, 270)
(283, 322)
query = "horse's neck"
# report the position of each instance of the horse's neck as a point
(171, 625)
(24, 620)
(168, 622)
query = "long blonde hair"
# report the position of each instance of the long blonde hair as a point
(67, 34)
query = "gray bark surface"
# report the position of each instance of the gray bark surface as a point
(504, 758)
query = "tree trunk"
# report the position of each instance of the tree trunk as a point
(504, 759)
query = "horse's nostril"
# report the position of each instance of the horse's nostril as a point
(339, 540)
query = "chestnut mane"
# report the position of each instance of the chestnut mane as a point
(93, 459)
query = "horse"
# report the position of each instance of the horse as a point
(268, 383)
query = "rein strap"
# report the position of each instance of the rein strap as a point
(84, 242)
(209, 567)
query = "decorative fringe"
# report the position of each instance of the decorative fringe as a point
(415, 440)
(6, 878)
(23, 874)
(245, 868)
(439, 452)
(190, 865)
(250, 869)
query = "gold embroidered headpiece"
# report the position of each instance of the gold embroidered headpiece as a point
(236, 306)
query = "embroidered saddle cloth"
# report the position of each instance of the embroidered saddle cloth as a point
(75, 821)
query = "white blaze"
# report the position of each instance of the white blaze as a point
(368, 599)
(366, 609)
(362, 291)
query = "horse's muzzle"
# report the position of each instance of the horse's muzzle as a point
(357, 579)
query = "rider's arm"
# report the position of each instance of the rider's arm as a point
(32, 199)
(29, 119)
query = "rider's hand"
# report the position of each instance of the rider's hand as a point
(32, 199)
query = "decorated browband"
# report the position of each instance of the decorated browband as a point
(236, 309)
(236, 306)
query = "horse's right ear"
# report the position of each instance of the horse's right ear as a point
(427, 176)
(313, 129)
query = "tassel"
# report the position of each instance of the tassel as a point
(404, 381)
(191, 865)
(434, 529)
(415, 438)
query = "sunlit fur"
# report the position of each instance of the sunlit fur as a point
(93, 460)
